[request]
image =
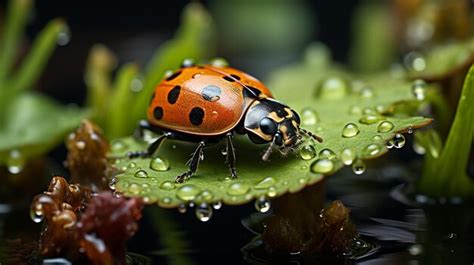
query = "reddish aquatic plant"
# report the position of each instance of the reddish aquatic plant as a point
(82, 226)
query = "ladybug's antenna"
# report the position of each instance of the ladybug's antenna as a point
(310, 134)
(267, 153)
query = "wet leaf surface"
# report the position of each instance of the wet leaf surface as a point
(326, 98)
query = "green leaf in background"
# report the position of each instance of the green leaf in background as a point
(34, 124)
(445, 168)
(355, 116)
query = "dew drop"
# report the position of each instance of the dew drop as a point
(238, 188)
(332, 88)
(15, 162)
(385, 126)
(414, 61)
(168, 73)
(188, 62)
(272, 192)
(224, 151)
(327, 153)
(80, 145)
(398, 140)
(347, 156)
(159, 164)
(262, 204)
(372, 149)
(415, 249)
(112, 183)
(419, 89)
(182, 208)
(367, 92)
(322, 165)
(132, 165)
(204, 212)
(206, 196)
(358, 167)
(134, 189)
(350, 130)
(187, 192)
(36, 213)
(141, 174)
(219, 62)
(265, 183)
(118, 145)
(64, 36)
(418, 148)
(136, 85)
(217, 205)
(368, 111)
(309, 117)
(355, 110)
(168, 185)
(377, 138)
(369, 119)
(166, 200)
(307, 152)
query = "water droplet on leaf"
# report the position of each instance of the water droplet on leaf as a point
(217, 205)
(187, 192)
(159, 164)
(327, 153)
(265, 183)
(219, 62)
(419, 89)
(168, 185)
(350, 130)
(369, 119)
(332, 88)
(322, 165)
(398, 141)
(238, 188)
(385, 126)
(347, 156)
(307, 152)
(309, 117)
(15, 162)
(372, 149)
(141, 174)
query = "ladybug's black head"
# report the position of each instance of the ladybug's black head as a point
(269, 121)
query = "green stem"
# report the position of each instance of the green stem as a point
(38, 56)
(17, 14)
(446, 175)
(118, 113)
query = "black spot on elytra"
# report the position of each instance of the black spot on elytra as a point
(174, 94)
(235, 76)
(173, 76)
(228, 78)
(211, 93)
(196, 116)
(250, 91)
(158, 113)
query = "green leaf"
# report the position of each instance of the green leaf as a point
(445, 168)
(342, 100)
(34, 125)
(17, 15)
(442, 61)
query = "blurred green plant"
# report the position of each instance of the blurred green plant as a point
(118, 104)
(356, 116)
(445, 169)
(31, 124)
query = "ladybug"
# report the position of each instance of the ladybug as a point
(208, 103)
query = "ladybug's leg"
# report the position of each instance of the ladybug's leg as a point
(151, 148)
(193, 163)
(230, 158)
